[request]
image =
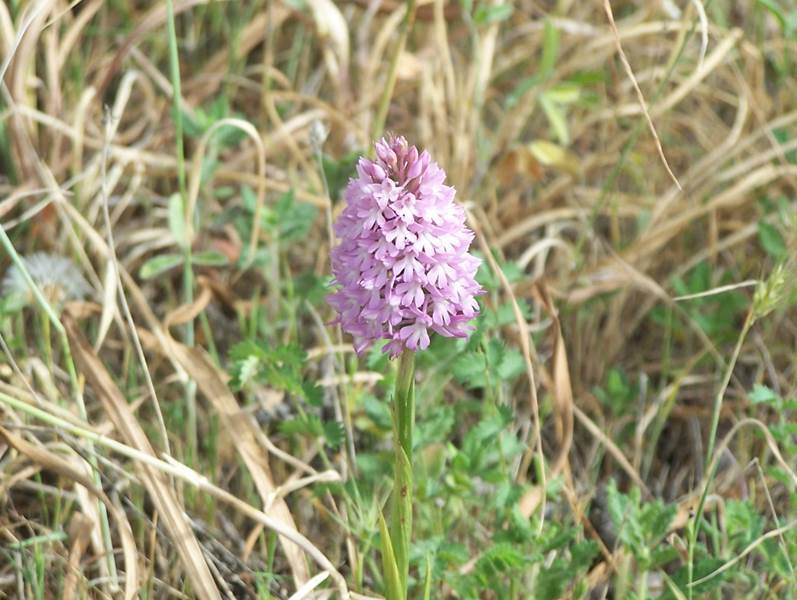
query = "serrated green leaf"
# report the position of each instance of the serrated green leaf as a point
(512, 364)
(377, 411)
(743, 523)
(309, 425)
(293, 219)
(494, 353)
(157, 265)
(761, 394)
(701, 569)
(244, 371)
(334, 433)
(312, 393)
(640, 526)
(280, 367)
(244, 349)
(504, 314)
(470, 369)
(499, 558)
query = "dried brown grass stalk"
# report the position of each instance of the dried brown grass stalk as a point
(52, 462)
(242, 432)
(159, 487)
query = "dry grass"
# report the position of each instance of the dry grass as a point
(570, 187)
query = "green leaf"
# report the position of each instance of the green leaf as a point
(470, 369)
(338, 172)
(640, 526)
(393, 587)
(701, 569)
(545, 66)
(334, 433)
(500, 558)
(512, 364)
(309, 425)
(556, 117)
(489, 14)
(564, 93)
(245, 370)
(761, 394)
(480, 437)
(209, 258)
(772, 241)
(280, 367)
(427, 579)
(776, 11)
(550, 49)
(312, 393)
(743, 523)
(504, 314)
(293, 219)
(377, 411)
(560, 576)
(158, 265)
(177, 219)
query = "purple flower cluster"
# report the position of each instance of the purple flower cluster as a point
(402, 264)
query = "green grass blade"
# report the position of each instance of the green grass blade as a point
(393, 588)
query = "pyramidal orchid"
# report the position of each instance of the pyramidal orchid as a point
(402, 263)
(402, 271)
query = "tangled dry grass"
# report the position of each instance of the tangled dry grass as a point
(543, 134)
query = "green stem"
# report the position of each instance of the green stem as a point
(177, 96)
(403, 419)
(188, 272)
(47, 340)
(711, 465)
(642, 585)
(404, 401)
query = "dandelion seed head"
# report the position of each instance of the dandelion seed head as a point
(57, 276)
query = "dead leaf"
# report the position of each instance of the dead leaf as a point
(562, 386)
(518, 162)
(79, 529)
(188, 312)
(332, 26)
(554, 155)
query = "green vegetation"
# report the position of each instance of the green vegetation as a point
(180, 417)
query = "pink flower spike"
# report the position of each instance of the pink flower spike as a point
(402, 264)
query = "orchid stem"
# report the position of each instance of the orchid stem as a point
(405, 401)
(404, 419)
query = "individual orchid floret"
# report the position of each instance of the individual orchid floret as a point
(402, 266)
